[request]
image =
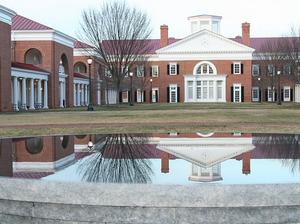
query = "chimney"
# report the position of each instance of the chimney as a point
(164, 35)
(165, 162)
(246, 33)
(246, 163)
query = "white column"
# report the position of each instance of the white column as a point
(31, 106)
(216, 90)
(61, 102)
(16, 93)
(78, 95)
(45, 94)
(82, 95)
(74, 94)
(39, 93)
(86, 94)
(24, 102)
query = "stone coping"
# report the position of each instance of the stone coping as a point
(166, 196)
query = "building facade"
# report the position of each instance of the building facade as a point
(43, 68)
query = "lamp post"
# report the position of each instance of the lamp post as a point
(279, 90)
(259, 90)
(90, 106)
(151, 80)
(131, 89)
(90, 143)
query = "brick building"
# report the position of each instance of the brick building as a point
(41, 67)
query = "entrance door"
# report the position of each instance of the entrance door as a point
(173, 94)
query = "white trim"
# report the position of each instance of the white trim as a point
(271, 99)
(239, 68)
(44, 166)
(83, 52)
(43, 35)
(152, 95)
(6, 15)
(153, 67)
(29, 74)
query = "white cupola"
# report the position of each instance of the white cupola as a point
(208, 22)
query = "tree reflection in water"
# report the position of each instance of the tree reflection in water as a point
(118, 158)
(281, 146)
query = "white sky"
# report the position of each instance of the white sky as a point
(267, 17)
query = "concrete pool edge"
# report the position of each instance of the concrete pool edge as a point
(57, 202)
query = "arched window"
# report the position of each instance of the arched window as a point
(33, 56)
(80, 67)
(34, 145)
(205, 68)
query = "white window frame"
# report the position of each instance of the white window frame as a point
(239, 68)
(239, 87)
(170, 68)
(154, 70)
(258, 69)
(125, 100)
(255, 88)
(125, 70)
(140, 71)
(107, 73)
(170, 93)
(287, 67)
(289, 97)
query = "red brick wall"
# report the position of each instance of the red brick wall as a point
(51, 53)
(5, 68)
(52, 150)
(186, 68)
(6, 168)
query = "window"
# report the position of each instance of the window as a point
(190, 90)
(199, 87)
(286, 93)
(204, 69)
(173, 69)
(154, 95)
(287, 69)
(80, 67)
(219, 90)
(154, 70)
(139, 96)
(255, 70)
(107, 73)
(173, 93)
(125, 97)
(125, 70)
(271, 70)
(271, 94)
(237, 89)
(211, 90)
(33, 56)
(140, 71)
(236, 68)
(255, 94)
(205, 87)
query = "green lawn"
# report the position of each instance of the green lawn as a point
(156, 118)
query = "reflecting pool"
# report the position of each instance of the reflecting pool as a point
(173, 158)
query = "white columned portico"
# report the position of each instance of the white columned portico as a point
(24, 100)
(61, 103)
(39, 93)
(86, 94)
(31, 101)
(16, 93)
(45, 94)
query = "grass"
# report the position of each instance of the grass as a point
(154, 118)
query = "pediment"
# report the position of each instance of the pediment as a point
(208, 153)
(205, 41)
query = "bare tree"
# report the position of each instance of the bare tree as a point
(292, 45)
(273, 56)
(116, 34)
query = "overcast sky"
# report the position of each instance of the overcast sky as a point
(267, 17)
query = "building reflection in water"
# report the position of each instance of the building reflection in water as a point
(118, 158)
(125, 158)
